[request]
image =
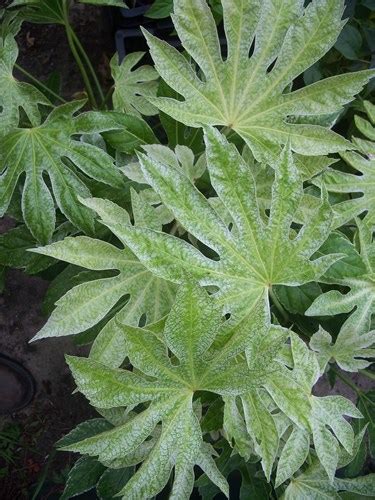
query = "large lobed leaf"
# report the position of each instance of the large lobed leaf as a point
(199, 352)
(203, 351)
(252, 95)
(253, 254)
(129, 296)
(50, 148)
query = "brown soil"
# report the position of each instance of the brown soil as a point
(54, 411)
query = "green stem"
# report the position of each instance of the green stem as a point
(278, 305)
(73, 48)
(39, 83)
(347, 381)
(367, 374)
(43, 477)
(226, 131)
(108, 96)
(88, 64)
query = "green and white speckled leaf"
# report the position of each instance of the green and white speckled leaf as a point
(356, 271)
(254, 255)
(197, 351)
(235, 429)
(362, 485)
(86, 304)
(361, 183)
(313, 484)
(291, 388)
(14, 94)
(262, 429)
(350, 351)
(330, 429)
(181, 158)
(132, 86)
(293, 455)
(248, 94)
(50, 149)
(345, 182)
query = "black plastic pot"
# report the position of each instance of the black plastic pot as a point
(17, 386)
(128, 35)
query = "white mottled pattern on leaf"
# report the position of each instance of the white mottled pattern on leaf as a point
(89, 302)
(350, 351)
(189, 335)
(362, 182)
(355, 270)
(46, 149)
(15, 94)
(254, 254)
(291, 387)
(262, 429)
(241, 92)
(293, 455)
(132, 86)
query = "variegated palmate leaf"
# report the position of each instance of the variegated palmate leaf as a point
(132, 86)
(14, 94)
(313, 484)
(50, 149)
(246, 259)
(284, 411)
(134, 292)
(203, 357)
(360, 184)
(198, 351)
(356, 271)
(350, 351)
(251, 95)
(322, 418)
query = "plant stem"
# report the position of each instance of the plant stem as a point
(367, 374)
(73, 48)
(226, 131)
(108, 96)
(43, 477)
(38, 82)
(88, 64)
(347, 381)
(278, 306)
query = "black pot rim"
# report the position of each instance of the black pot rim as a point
(27, 381)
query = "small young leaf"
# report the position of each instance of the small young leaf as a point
(349, 351)
(82, 477)
(132, 86)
